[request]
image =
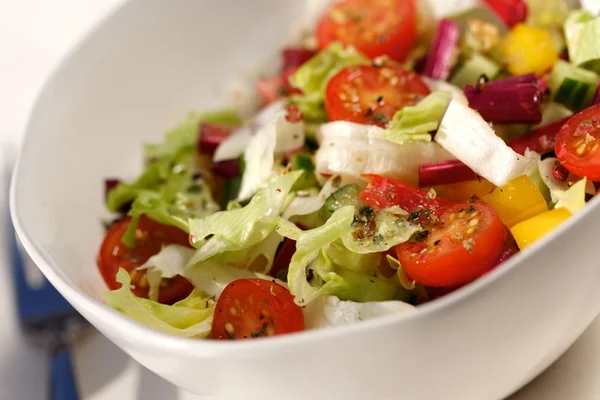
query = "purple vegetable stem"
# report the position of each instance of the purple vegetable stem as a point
(596, 96)
(444, 173)
(442, 55)
(293, 57)
(211, 136)
(531, 79)
(227, 168)
(110, 184)
(514, 100)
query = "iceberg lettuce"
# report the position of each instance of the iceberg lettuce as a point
(190, 317)
(416, 122)
(278, 136)
(241, 228)
(389, 232)
(312, 78)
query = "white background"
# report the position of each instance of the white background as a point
(34, 34)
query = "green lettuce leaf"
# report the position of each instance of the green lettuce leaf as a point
(314, 74)
(185, 135)
(241, 228)
(175, 201)
(191, 317)
(312, 107)
(365, 263)
(389, 232)
(182, 197)
(406, 281)
(415, 122)
(322, 265)
(311, 255)
(168, 189)
(582, 32)
(211, 278)
(153, 176)
(312, 78)
(365, 288)
(258, 258)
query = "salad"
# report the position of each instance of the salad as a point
(393, 159)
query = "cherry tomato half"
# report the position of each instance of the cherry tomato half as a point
(578, 144)
(374, 27)
(150, 238)
(370, 94)
(463, 246)
(385, 192)
(253, 308)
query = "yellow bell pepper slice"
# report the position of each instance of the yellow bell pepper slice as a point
(517, 201)
(527, 49)
(463, 191)
(527, 232)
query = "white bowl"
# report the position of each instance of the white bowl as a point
(137, 75)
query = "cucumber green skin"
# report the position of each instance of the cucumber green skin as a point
(344, 196)
(573, 86)
(473, 68)
(574, 94)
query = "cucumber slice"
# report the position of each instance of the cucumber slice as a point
(572, 86)
(344, 196)
(473, 68)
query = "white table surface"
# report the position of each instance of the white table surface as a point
(34, 34)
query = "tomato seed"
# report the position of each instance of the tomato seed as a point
(469, 245)
(457, 236)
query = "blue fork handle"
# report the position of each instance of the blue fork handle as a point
(62, 380)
